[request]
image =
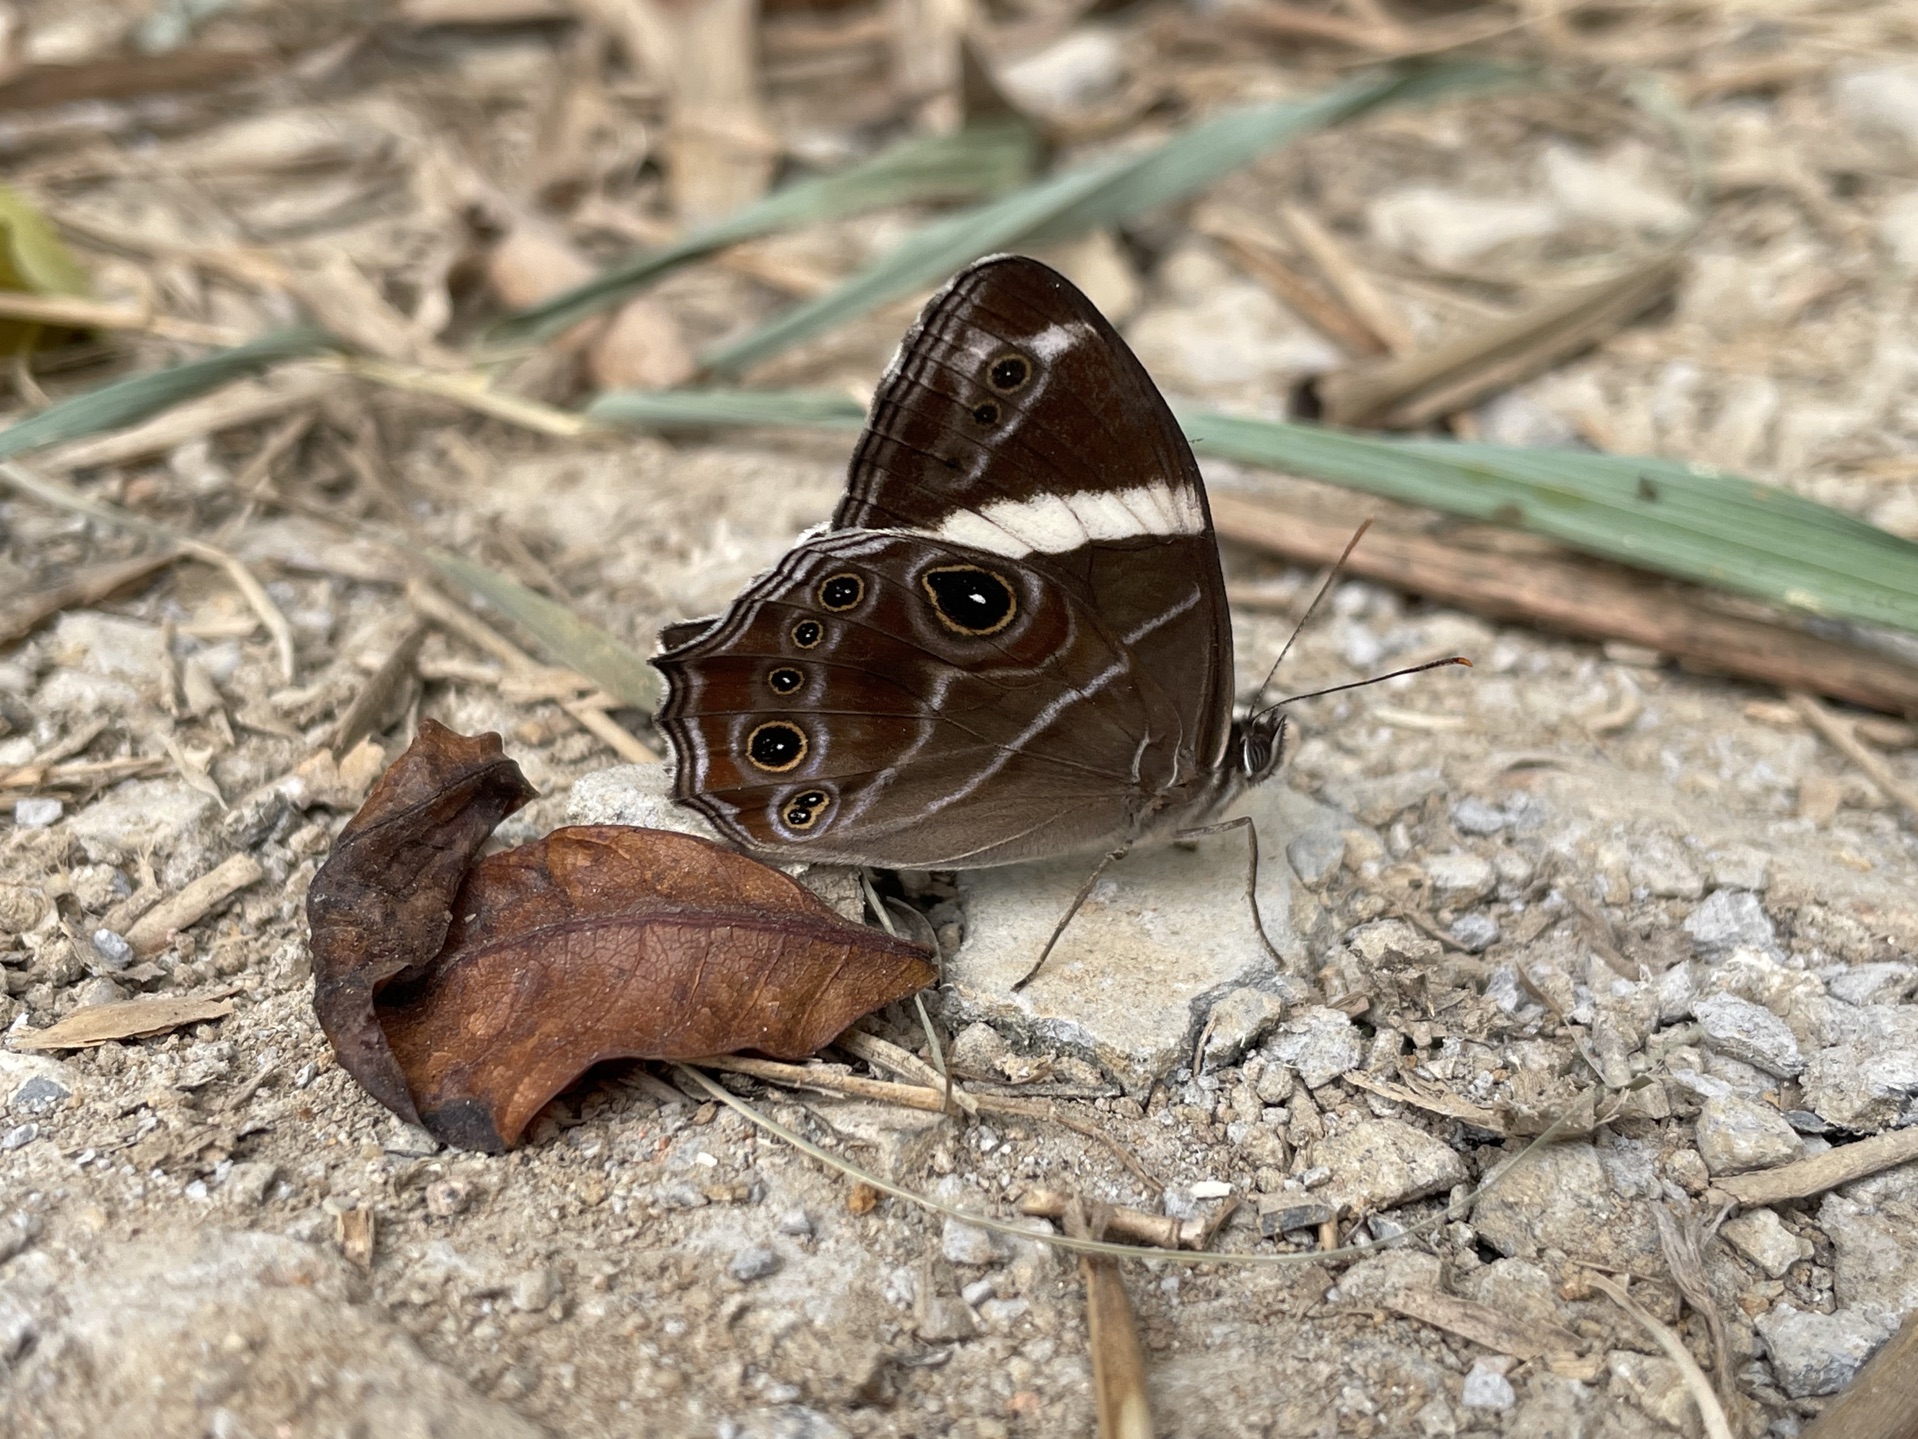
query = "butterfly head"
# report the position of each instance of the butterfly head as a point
(1260, 741)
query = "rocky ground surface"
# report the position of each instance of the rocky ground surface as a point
(1571, 880)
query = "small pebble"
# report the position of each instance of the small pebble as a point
(977, 1292)
(1474, 816)
(1211, 1189)
(19, 1136)
(1476, 931)
(753, 1263)
(1486, 1388)
(37, 812)
(447, 1197)
(537, 1288)
(795, 1222)
(112, 947)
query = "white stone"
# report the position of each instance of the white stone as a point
(1898, 229)
(1486, 1386)
(1447, 230)
(1881, 104)
(1068, 73)
(1660, 866)
(37, 811)
(1163, 928)
(1614, 190)
(1460, 877)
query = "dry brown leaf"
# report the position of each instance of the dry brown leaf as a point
(598, 942)
(130, 1019)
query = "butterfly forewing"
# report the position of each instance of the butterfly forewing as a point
(1012, 643)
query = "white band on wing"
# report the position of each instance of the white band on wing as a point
(1055, 524)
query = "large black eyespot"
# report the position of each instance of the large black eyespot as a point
(986, 414)
(785, 681)
(808, 633)
(1009, 373)
(803, 810)
(969, 600)
(776, 746)
(841, 592)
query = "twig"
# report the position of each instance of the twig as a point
(377, 693)
(1805, 1177)
(21, 615)
(471, 389)
(623, 742)
(1682, 1243)
(1346, 276)
(887, 1055)
(244, 402)
(1159, 1230)
(1555, 590)
(1696, 1384)
(1323, 312)
(154, 929)
(1845, 740)
(1112, 1336)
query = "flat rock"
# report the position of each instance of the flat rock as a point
(150, 815)
(1164, 930)
(1384, 1163)
(1728, 918)
(1318, 1045)
(1736, 1134)
(1761, 1236)
(1886, 982)
(139, 1340)
(1873, 1226)
(1866, 1081)
(1561, 1199)
(1814, 1353)
(1749, 1033)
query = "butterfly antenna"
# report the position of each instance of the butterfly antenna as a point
(1376, 679)
(1325, 588)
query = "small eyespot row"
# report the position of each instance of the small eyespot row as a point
(969, 600)
(784, 680)
(987, 413)
(808, 633)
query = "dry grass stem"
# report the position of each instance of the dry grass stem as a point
(1844, 738)
(1348, 278)
(77, 312)
(1582, 597)
(1112, 1335)
(1420, 387)
(1483, 1325)
(376, 696)
(1696, 1384)
(621, 741)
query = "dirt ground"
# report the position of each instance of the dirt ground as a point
(1572, 868)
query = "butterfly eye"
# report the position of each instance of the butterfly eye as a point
(987, 414)
(776, 746)
(802, 811)
(969, 600)
(1009, 373)
(808, 633)
(785, 681)
(841, 592)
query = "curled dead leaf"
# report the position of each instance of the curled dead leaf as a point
(465, 996)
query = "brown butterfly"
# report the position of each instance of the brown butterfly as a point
(1011, 642)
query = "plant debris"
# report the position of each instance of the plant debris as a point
(465, 996)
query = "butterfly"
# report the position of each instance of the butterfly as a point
(1011, 642)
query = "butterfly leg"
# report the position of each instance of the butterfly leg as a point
(1245, 823)
(1078, 903)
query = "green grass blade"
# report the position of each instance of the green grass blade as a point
(1101, 193)
(567, 639)
(717, 409)
(128, 401)
(982, 159)
(1686, 521)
